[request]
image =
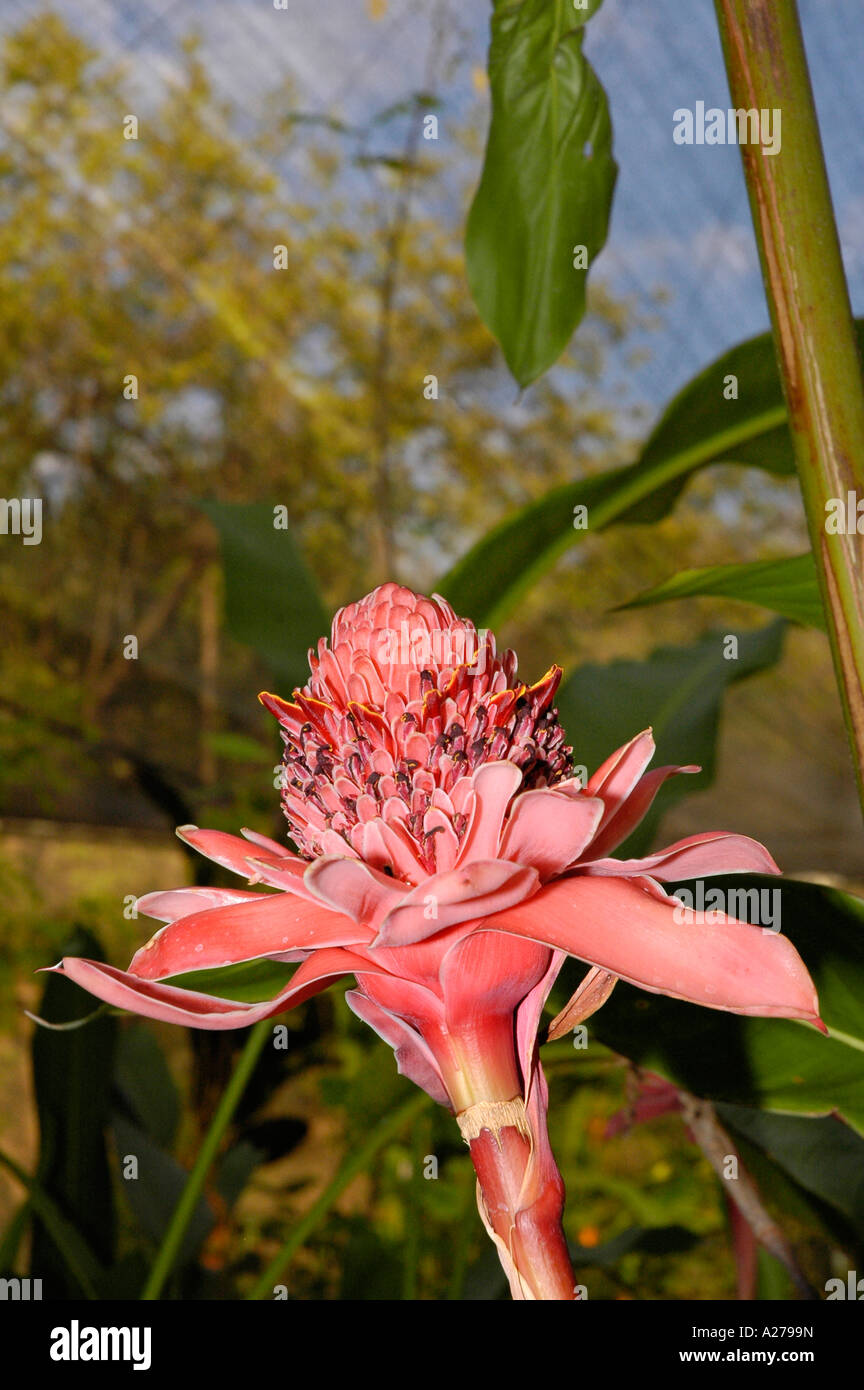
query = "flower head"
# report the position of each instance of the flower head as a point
(449, 860)
(401, 708)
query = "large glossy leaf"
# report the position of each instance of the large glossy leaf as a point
(698, 428)
(143, 1080)
(546, 186)
(787, 1198)
(72, 1073)
(788, 586)
(271, 600)
(773, 1064)
(823, 1156)
(250, 982)
(152, 1188)
(487, 583)
(678, 691)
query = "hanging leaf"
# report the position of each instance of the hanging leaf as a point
(541, 211)
(250, 982)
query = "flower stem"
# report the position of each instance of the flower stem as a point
(194, 1185)
(528, 1233)
(790, 202)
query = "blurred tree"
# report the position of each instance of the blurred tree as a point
(176, 323)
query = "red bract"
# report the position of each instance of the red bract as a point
(449, 861)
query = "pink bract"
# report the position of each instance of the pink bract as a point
(449, 861)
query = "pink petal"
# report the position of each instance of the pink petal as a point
(615, 779)
(264, 842)
(474, 890)
(171, 1004)
(414, 1057)
(361, 893)
(633, 808)
(228, 850)
(286, 875)
(711, 853)
(543, 1182)
(656, 1097)
(438, 827)
(484, 980)
(528, 1017)
(489, 973)
(628, 931)
(169, 904)
(548, 831)
(333, 843)
(381, 843)
(494, 784)
(245, 931)
(408, 999)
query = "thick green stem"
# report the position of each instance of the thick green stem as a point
(811, 316)
(185, 1208)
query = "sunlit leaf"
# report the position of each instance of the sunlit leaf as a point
(541, 211)
(788, 586)
(698, 428)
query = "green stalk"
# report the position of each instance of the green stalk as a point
(194, 1185)
(354, 1165)
(811, 318)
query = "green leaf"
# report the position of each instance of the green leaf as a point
(773, 1282)
(699, 427)
(78, 1259)
(142, 1078)
(271, 600)
(487, 583)
(771, 1063)
(153, 1193)
(788, 586)
(73, 1074)
(251, 982)
(546, 186)
(824, 1156)
(358, 1160)
(677, 691)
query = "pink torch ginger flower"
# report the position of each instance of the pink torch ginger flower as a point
(449, 861)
